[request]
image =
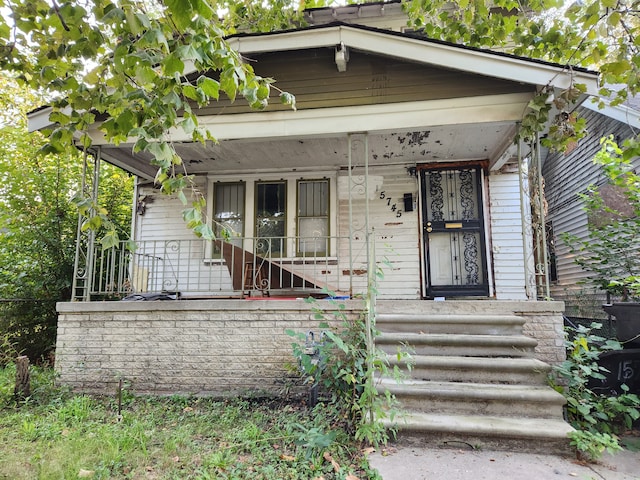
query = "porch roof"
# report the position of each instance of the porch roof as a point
(443, 129)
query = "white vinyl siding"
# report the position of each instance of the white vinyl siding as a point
(567, 175)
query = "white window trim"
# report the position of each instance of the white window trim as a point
(291, 179)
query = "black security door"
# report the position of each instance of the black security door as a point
(453, 233)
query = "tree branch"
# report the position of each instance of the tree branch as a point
(57, 9)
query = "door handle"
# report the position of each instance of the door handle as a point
(428, 229)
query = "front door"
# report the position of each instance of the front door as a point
(453, 232)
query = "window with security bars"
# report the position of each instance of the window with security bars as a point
(313, 217)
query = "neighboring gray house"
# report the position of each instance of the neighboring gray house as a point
(401, 155)
(565, 176)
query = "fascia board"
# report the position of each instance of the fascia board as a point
(40, 119)
(626, 115)
(290, 40)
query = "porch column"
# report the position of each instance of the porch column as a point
(539, 220)
(358, 156)
(533, 211)
(525, 212)
(85, 239)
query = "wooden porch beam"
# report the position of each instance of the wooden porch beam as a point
(367, 118)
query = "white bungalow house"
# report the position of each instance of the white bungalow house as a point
(402, 156)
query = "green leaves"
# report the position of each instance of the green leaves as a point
(173, 64)
(210, 87)
(595, 414)
(181, 12)
(138, 82)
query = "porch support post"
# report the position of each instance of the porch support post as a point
(525, 213)
(350, 170)
(92, 234)
(358, 187)
(85, 241)
(540, 226)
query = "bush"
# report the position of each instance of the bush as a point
(598, 417)
(344, 367)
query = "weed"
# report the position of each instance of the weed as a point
(346, 366)
(596, 416)
(593, 444)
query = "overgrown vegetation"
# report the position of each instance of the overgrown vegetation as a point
(345, 365)
(55, 434)
(598, 416)
(38, 223)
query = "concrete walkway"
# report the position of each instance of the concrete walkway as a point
(417, 463)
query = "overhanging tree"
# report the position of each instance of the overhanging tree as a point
(125, 63)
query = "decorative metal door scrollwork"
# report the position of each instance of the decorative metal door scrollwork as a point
(453, 232)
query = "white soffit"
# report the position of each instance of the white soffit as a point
(423, 51)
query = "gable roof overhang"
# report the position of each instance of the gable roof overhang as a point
(416, 48)
(622, 113)
(486, 122)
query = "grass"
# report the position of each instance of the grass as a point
(55, 434)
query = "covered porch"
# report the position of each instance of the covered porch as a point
(408, 147)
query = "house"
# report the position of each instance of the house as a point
(563, 182)
(401, 156)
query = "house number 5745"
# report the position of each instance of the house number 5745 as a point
(392, 206)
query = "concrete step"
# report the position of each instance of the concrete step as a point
(533, 435)
(517, 401)
(471, 324)
(524, 371)
(458, 345)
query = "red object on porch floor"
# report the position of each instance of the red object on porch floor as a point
(274, 298)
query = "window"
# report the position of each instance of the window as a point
(228, 211)
(271, 215)
(313, 216)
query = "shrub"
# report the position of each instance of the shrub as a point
(598, 417)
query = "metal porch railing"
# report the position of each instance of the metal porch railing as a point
(239, 267)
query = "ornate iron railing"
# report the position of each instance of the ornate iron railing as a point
(235, 268)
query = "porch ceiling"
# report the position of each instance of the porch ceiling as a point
(439, 143)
